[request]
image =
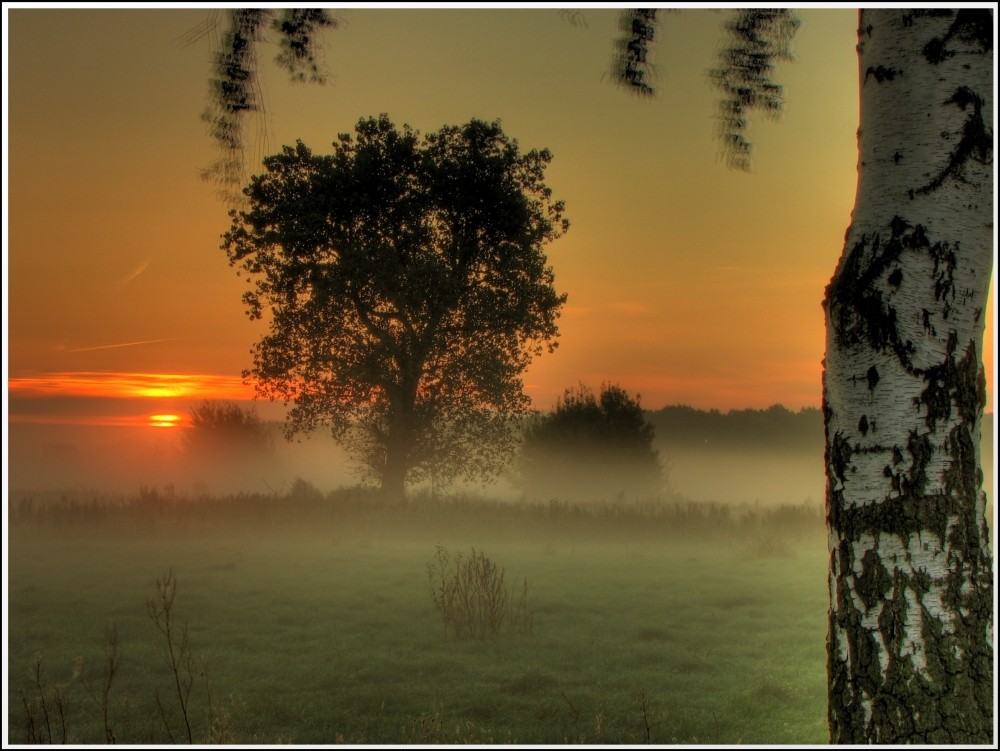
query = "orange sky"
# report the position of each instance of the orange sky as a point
(688, 283)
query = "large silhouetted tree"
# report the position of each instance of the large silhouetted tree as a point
(910, 651)
(407, 290)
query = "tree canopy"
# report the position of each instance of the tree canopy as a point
(407, 290)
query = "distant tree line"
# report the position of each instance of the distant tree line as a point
(776, 427)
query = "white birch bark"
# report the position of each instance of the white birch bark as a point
(910, 641)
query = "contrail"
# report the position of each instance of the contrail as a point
(138, 270)
(126, 344)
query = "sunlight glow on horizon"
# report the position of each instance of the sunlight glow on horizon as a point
(129, 385)
(164, 421)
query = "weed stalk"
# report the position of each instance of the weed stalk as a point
(178, 649)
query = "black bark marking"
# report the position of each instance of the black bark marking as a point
(962, 384)
(881, 73)
(948, 698)
(874, 582)
(860, 310)
(931, 13)
(921, 451)
(928, 326)
(911, 511)
(975, 142)
(970, 383)
(962, 478)
(872, 377)
(936, 396)
(839, 456)
(971, 27)
(863, 425)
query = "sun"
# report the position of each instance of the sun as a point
(164, 421)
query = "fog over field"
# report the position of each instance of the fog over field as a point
(760, 457)
(320, 613)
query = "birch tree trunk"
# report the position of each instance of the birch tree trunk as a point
(910, 644)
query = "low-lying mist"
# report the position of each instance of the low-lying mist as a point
(698, 465)
(316, 613)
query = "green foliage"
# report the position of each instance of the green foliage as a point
(591, 447)
(408, 292)
(471, 596)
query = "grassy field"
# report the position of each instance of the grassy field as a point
(310, 620)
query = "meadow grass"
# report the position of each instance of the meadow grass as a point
(315, 619)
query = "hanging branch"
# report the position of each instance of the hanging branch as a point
(759, 38)
(630, 59)
(235, 88)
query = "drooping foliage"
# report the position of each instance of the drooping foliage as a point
(407, 290)
(235, 92)
(757, 39)
(631, 64)
(591, 447)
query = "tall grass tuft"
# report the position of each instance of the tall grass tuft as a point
(471, 596)
(41, 711)
(101, 695)
(177, 651)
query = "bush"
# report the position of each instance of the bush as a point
(226, 428)
(472, 599)
(228, 443)
(591, 448)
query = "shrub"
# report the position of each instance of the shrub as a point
(472, 599)
(590, 448)
(228, 443)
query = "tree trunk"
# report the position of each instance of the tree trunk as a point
(393, 487)
(397, 455)
(400, 438)
(910, 644)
